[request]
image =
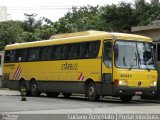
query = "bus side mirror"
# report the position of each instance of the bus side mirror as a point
(147, 55)
(115, 47)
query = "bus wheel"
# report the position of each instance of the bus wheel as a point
(34, 89)
(22, 86)
(67, 95)
(52, 94)
(91, 92)
(126, 99)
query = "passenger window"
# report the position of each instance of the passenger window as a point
(58, 53)
(107, 54)
(82, 50)
(64, 52)
(18, 56)
(77, 50)
(72, 51)
(91, 49)
(21, 55)
(33, 54)
(10, 55)
(45, 53)
(24, 54)
(53, 54)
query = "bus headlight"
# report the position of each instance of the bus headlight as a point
(120, 82)
(154, 83)
(123, 82)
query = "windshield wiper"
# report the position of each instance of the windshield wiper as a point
(136, 57)
(147, 67)
(131, 66)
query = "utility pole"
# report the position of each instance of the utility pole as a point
(30, 19)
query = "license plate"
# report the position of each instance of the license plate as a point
(138, 92)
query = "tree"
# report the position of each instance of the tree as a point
(79, 19)
(118, 18)
(10, 32)
(146, 12)
(39, 29)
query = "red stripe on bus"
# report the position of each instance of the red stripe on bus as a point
(16, 72)
(80, 76)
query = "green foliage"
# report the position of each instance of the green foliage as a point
(146, 12)
(10, 32)
(29, 37)
(118, 18)
(82, 19)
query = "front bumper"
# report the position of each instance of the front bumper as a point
(131, 91)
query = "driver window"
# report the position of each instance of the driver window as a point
(107, 54)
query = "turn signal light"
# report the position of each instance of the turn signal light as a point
(116, 82)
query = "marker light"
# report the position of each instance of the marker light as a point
(154, 83)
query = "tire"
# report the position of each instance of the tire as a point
(52, 94)
(34, 89)
(126, 99)
(92, 93)
(67, 95)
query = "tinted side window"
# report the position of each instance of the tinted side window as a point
(91, 49)
(45, 53)
(6, 56)
(74, 51)
(77, 50)
(24, 54)
(21, 55)
(53, 54)
(71, 51)
(10, 56)
(64, 53)
(107, 53)
(33, 54)
(58, 52)
(82, 50)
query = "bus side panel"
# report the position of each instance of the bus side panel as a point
(61, 86)
(56, 76)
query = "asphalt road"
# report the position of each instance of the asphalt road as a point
(10, 103)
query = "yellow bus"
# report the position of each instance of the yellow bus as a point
(94, 63)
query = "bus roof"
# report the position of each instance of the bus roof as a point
(78, 37)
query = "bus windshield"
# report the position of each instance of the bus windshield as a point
(134, 55)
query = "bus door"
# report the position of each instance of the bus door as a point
(107, 80)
